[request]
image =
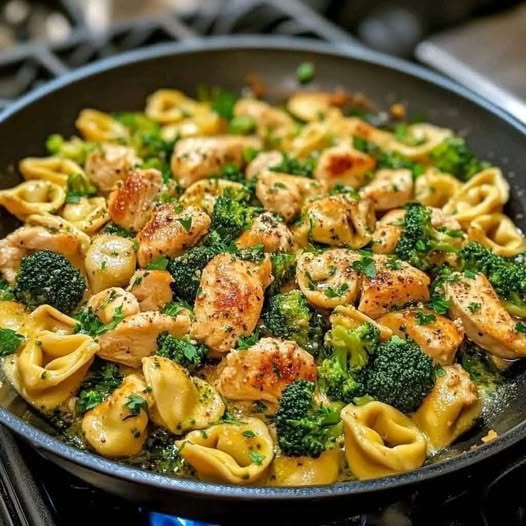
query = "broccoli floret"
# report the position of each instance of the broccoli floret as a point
(455, 157)
(340, 375)
(113, 229)
(78, 186)
(291, 165)
(146, 139)
(49, 278)
(506, 275)
(75, 149)
(392, 160)
(303, 427)
(6, 292)
(400, 374)
(283, 270)
(186, 271)
(419, 241)
(181, 350)
(231, 215)
(480, 368)
(291, 317)
(103, 379)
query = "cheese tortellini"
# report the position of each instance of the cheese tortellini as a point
(52, 169)
(381, 441)
(236, 453)
(118, 426)
(181, 403)
(450, 409)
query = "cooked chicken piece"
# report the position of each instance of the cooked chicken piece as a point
(110, 262)
(196, 158)
(131, 204)
(344, 165)
(204, 193)
(270, 121)
(485, 320)
(112, 428)
(388, 232)
(110, 163)
(340, 220)
(392, 286)
(106, 304)
(229, 301)
(136, 336)
(263, 162)
(268, 231)
(170, 231)
(437, 335)
(390, 189)
(285, 194)
(151, 288)
(27, 238)
(328, 279)
(311, 105)
(264, 370)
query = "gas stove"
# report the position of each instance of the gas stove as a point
(35, 492)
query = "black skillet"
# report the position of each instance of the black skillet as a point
(122, 83)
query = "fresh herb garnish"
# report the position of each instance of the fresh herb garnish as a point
(337, 292)
(78, 186)
(365, 266)
(10, 340)
(425, 318)
(159, 263)
(256, 457)
(135, 403)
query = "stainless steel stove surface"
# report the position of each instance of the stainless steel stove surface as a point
(70, 33)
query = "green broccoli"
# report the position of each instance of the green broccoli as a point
(231, 215)
(6, 292)
(506, 275)
(75, 149)
(340, 375)
(49, 278)
(392, 160)
(113, 229)
(181, 350)
(78, 186)
(419, 241)
(480, 368)
(103, 379)
(283, 270)
(303, 427)
(186, 271)
(291, 165)
(455, 157)
(291, 317)
(146, 139)
(400, 374)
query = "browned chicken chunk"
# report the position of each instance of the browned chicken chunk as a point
(151, 288)
(264, 370)
(229, 301)
(485, 319)
(170, 231)
(196, 158)
(437, 335)
(130, 206)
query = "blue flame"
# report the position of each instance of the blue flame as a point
(160, 519)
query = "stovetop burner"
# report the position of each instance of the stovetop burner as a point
(35, 492)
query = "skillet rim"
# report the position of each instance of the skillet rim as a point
(91, 461)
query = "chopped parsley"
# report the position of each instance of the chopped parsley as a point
(89, 323)
(256, 457)
(249, 433)
(440, 304)
(365, 266)
(425, 318)
(159, 263)
(337, 292)
(10, 340)
(135, 403)
(186, 222)
(474, 306)
(520, 327)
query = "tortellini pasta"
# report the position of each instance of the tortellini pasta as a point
(51, 367)
(450, 409)
(181, 403)
(306, 471)
(485, 193)
(88, 215)
(118, 426)
(204, 193)
(51, 169)
(381, 441)
(498, 232)
(236, 453)
(110, 262)
(434, 188)
(98, 126)
(351, 318)
(419, 140)
(167, 106)
(33, 197)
